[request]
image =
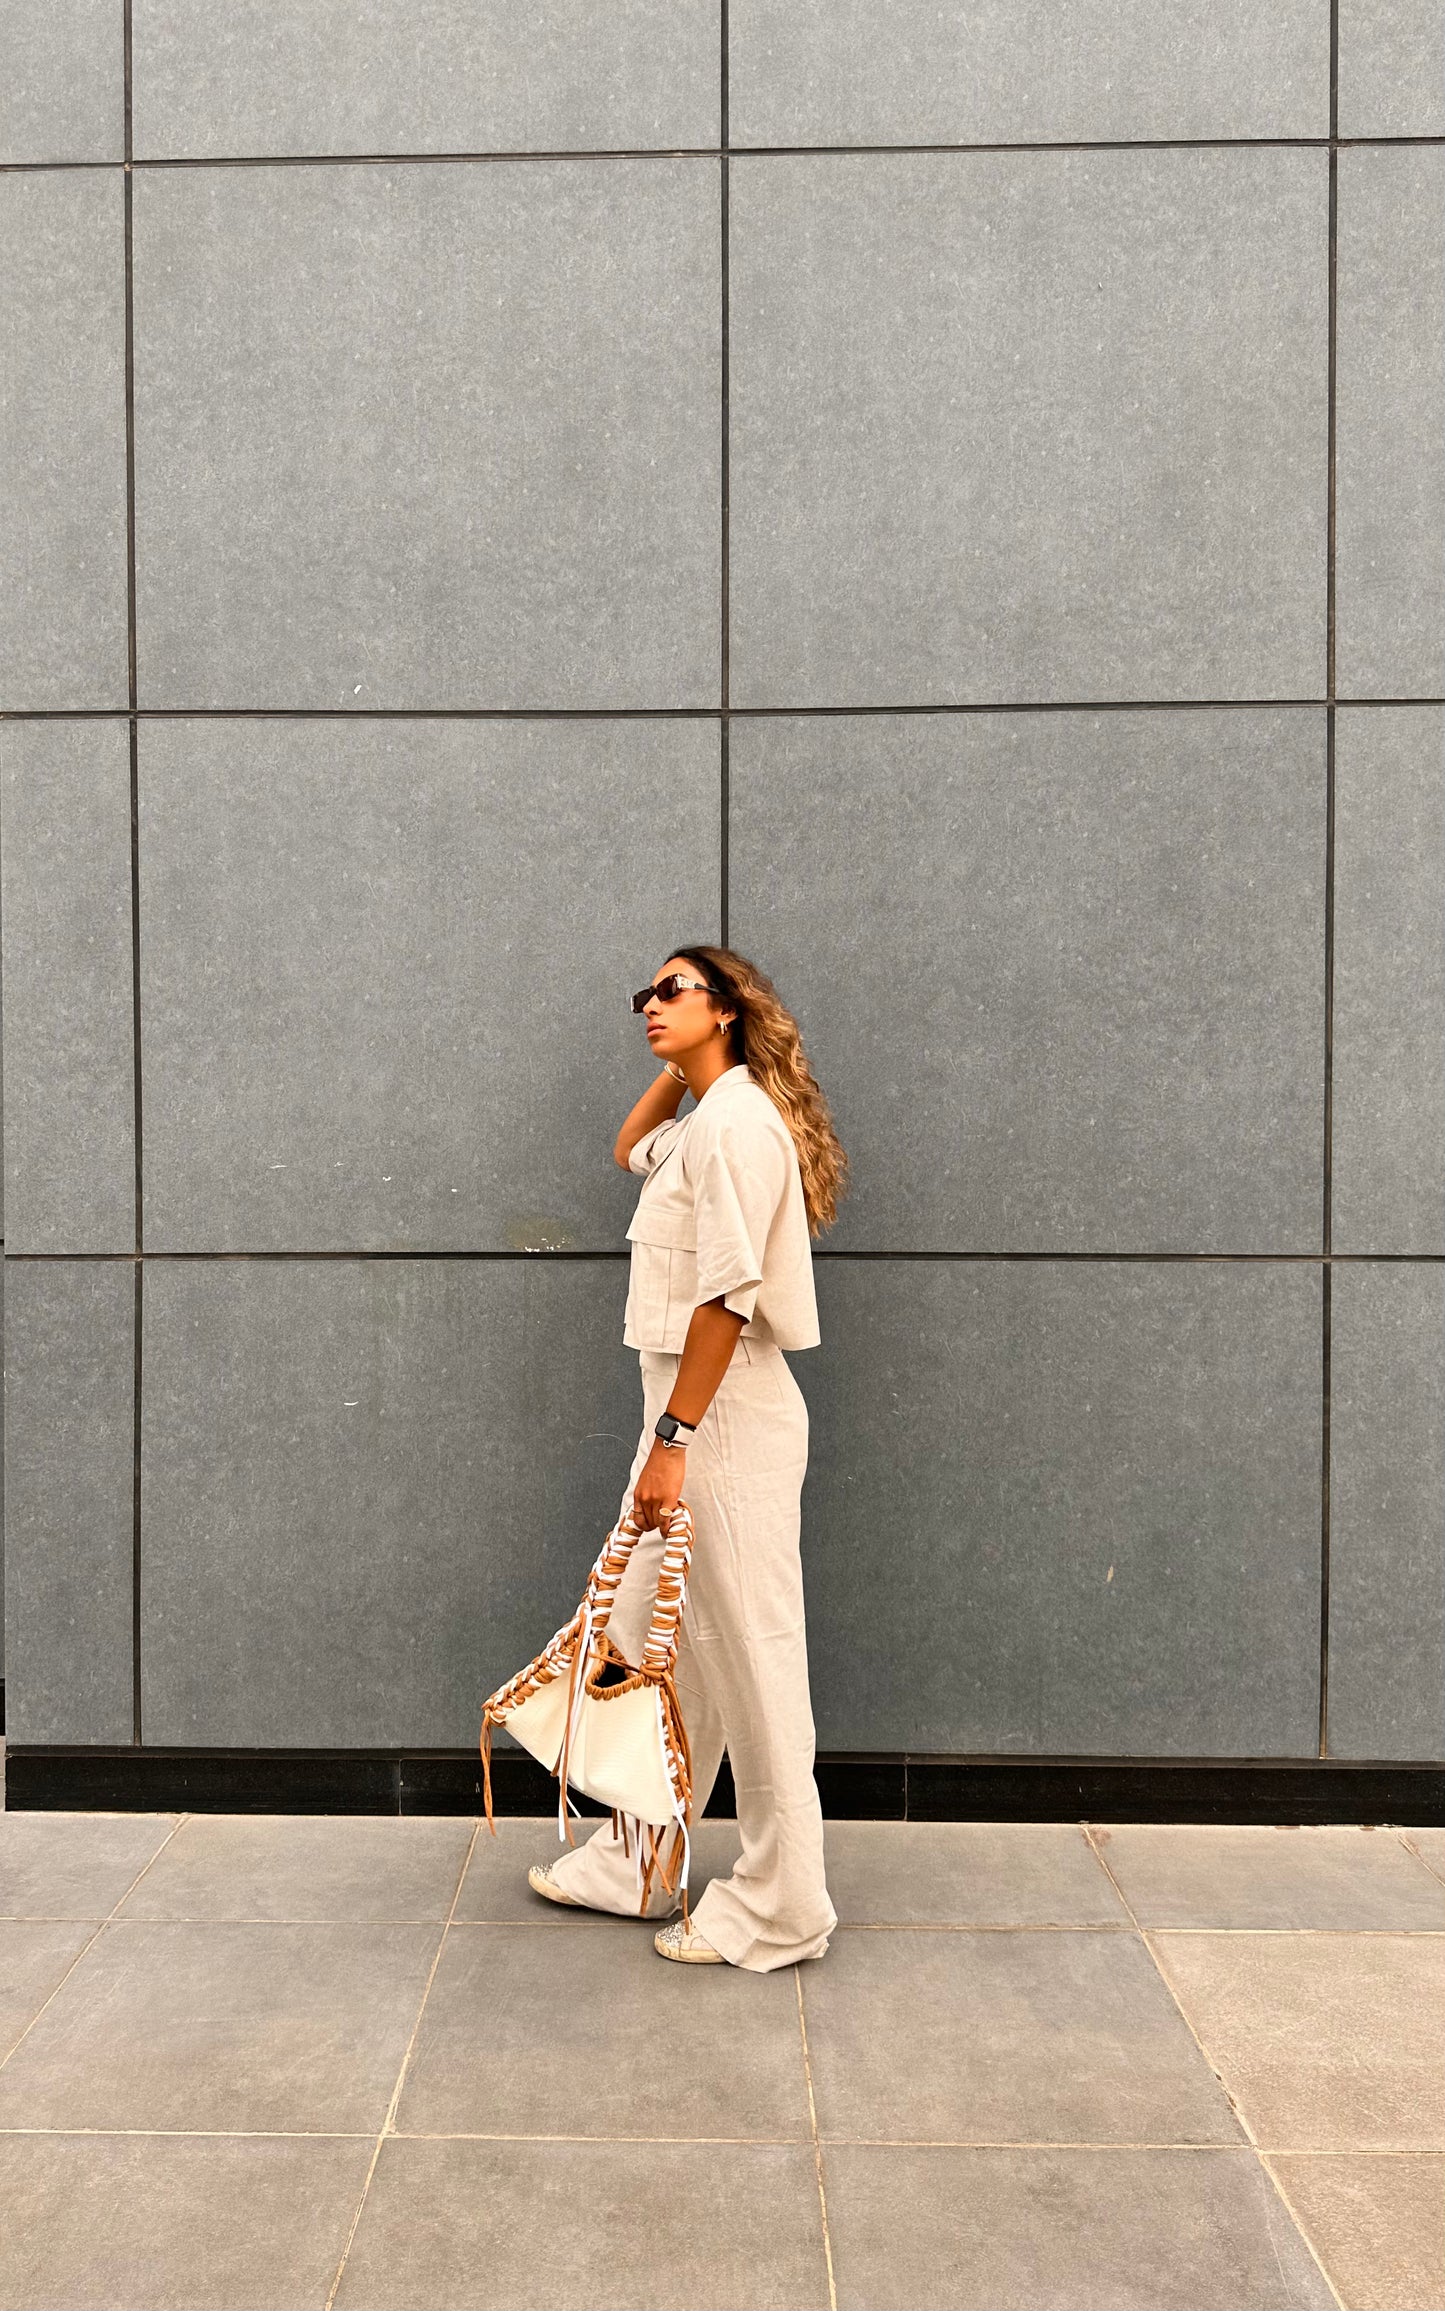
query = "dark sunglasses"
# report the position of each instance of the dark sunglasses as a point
(666, 989)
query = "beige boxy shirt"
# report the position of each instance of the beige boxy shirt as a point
(721, 1213)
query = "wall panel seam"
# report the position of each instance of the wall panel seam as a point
(1327, 1216)
(132, 696)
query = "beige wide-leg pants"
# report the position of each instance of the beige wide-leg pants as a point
(742, 1666)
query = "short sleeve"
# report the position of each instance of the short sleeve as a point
(739, 1185)
(649, 1151)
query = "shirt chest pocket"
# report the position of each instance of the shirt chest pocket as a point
(665, 1213)
(663, 1287)
(659, 1221)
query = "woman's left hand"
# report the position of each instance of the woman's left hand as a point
(659, 1487)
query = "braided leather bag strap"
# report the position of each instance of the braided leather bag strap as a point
(600, 1593)
(671, 1596)
(661, 1647)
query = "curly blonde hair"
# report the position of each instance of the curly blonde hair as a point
(764, 1037)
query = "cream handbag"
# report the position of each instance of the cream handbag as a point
(612, 1731)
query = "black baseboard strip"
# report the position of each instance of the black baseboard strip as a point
(1160, 1790)
(853, 1787)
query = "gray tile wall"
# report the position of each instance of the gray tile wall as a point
(69, 1051)
(412, 436)
(1391, 385)
(1389, 974)
(1029, 426)
(500, 497)
(1387, 1510)
(1392, 68)
(69, 1491)
(63, 439)
(62, 90)
(355, 1008)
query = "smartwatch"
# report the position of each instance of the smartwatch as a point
(672, 1430)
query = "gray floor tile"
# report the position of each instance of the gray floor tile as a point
(34, 1955)
(469, 2226)
(298, 2028)
(495, 1889)
(1212, 1874)
(1326, 2041)
(531, 2031)
(174, 2223)
(967, 1874)
(74, 1865)
(979, 2038)
(495, 1885)
(1377, 2224)
(342, 1867)
(1076, 2230)
(1430, 1846)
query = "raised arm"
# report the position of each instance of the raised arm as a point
(658, 1104)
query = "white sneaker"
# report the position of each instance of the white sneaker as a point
(541, 1881)
(682, 1940)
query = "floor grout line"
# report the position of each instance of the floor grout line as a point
(1300, 1933)
(1423, 1859)
(89, 1944)
(552, 1925)
(817, 2146)
(1223, 1933)
(1239, 2115)
(404, 158)
(1353, 2151)
(386, 2124)
(1122, 2144)
(294, 713)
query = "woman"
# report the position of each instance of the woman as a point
(721, 1284)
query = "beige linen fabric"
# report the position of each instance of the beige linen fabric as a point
(721, 1212)
(741, 1669)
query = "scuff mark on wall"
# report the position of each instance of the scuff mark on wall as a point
(538, 1232)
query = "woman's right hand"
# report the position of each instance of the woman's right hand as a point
(659, 1487)
(658, 1104)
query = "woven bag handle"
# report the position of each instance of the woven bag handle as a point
(667, 1604)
